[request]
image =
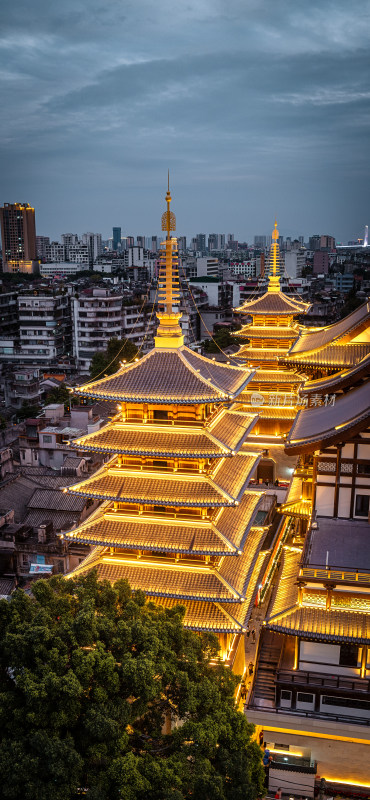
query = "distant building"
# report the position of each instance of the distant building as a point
(201, 242)
(260, 241)
(55, 252)
(320, 262)
(41, 243)
(116, 244)
(18, 236)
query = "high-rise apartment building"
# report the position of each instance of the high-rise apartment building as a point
(18, 236)
(260, 241)
(201, 242)
(116, 244)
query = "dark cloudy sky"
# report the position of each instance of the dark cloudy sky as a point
(258, 107)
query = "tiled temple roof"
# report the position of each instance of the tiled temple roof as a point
(157, 579)
(223, 438)
(170, 376)
(223, 536)
(262, 354)
(267, 332)
(273, 303)
(286, 616)
(280, 377)
(316, 338)
(332, 356)
(231, 583)
(324, 425)
(339, 380)
(224, 488)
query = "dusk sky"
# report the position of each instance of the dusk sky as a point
(258, 107)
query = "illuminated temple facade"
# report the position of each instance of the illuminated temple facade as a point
(269, 335)
(176, 518)
(314, 699)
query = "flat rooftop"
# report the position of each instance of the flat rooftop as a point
(343, 543)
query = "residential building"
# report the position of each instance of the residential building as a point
(207, 267)
(55, 252)
(320, 262)
(294, 262)
(201, 246)
(96, 318)
(18, 236)
(8, 314)
(44, 326)
(94, 244)
(41, 243)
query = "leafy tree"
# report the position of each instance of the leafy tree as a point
(221, 339)
(61, 395)
(27, 411)
(107, 361)
(88, 675)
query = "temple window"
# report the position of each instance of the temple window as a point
(362, 505)
(348, 655)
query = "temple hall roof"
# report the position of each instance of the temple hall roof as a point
(170, 376)
(340, 380)
(222, 536)
(316, 338)
(331, 355)
(325, 425)
(285, 615)
(267, 332)
(273, 303)
(223, 438)
(224, 487)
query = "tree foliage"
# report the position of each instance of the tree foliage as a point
(221, 339)
(88, 675)
(107, 361)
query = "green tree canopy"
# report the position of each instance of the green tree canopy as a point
(107, 361)
(88, 675)
(221, 339)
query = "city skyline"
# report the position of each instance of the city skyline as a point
(257, 109)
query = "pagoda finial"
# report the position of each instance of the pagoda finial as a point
(274, 261)
(169, 333)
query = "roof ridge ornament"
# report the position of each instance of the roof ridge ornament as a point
(169, 333)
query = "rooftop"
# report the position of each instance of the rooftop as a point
(170, 376)
(314, 427)
(331, 545)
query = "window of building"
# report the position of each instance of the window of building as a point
(362, 505)
(348, 655)
(160, 463)
(47, 438)
(363, 469)
(286, 695)
(159, 413)
(348, 702)
(304, 697)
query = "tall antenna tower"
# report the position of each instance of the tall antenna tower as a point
(366, 236)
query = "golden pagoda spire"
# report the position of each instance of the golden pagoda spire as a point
(169, 333)
(274, 262)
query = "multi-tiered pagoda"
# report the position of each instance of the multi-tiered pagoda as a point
(273, 328)
(176, 519)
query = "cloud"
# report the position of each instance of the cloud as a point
(251, 102)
